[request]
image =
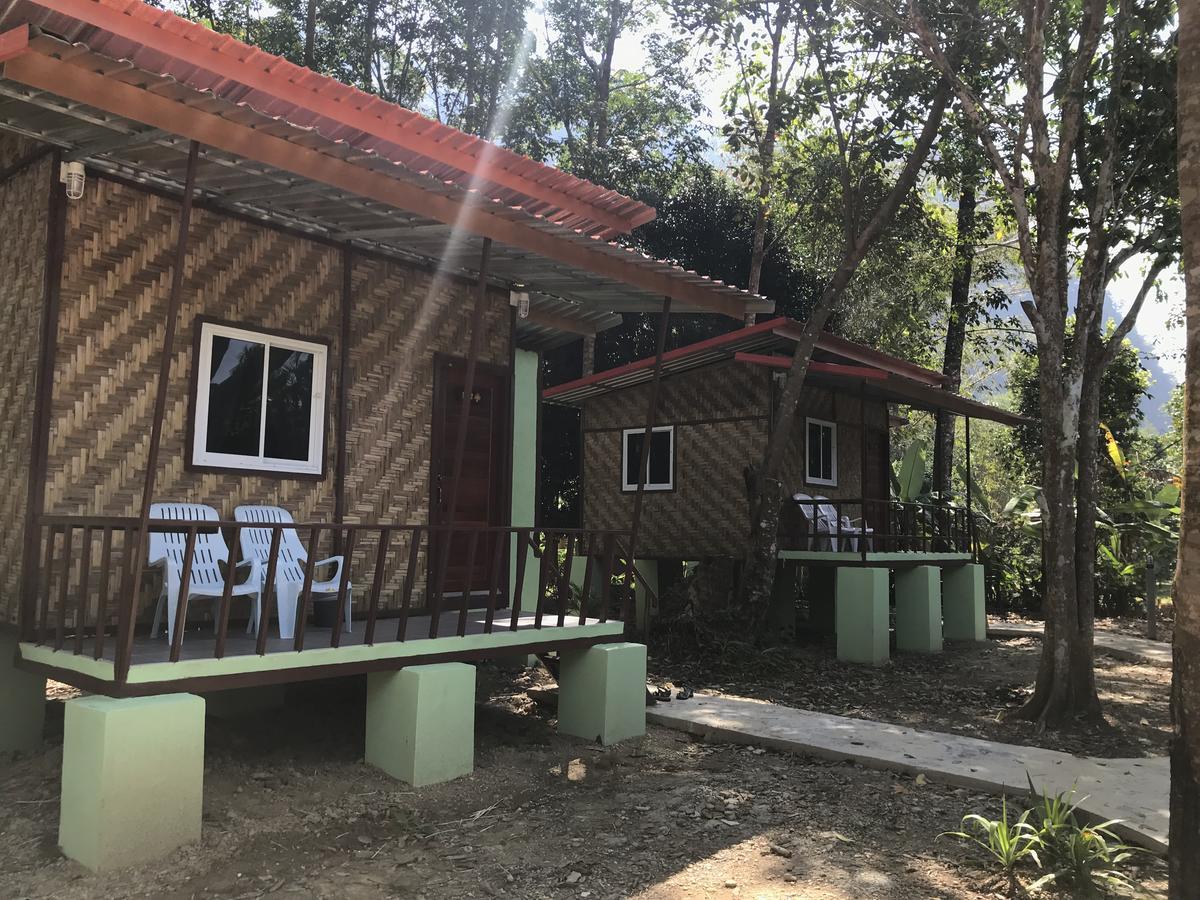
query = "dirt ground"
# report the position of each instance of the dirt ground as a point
(967, 690)
(291, 809)
(1124, 625)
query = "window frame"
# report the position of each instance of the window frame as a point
(809, 478)
(199, 459)
(657, 487)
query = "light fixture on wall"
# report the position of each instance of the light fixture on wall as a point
(520, 299)
(71, 174)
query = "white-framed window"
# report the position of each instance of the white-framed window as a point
(820, 441)
(259, 401)
(660, 467)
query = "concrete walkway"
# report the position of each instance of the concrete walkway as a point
(1133, 790)
(1120, 646)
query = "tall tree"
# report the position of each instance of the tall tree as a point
(1185, 681)
(631, 130)
(761, 43)
(882, 112)
(1063, 153)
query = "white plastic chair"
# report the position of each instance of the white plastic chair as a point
(168, 549)
(823, 525)
(289, 568)
(820, 527)
(852, 530)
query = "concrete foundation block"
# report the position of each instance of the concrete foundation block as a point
(421, 722)
(962, 604)
(22, 701)
(132, 778)
(862, 615)
(919, 609)
(602, 692)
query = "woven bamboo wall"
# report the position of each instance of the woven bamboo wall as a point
(720, 415)
(23, 207)
(844, 409)
(119, 247)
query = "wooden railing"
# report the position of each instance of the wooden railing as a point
(88, 600)
(862, 526)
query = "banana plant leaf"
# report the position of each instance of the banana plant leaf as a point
(910, 478)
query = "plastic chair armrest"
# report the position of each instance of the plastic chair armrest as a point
(339, 560)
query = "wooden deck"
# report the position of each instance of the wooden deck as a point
(884, 559)
(151, 672)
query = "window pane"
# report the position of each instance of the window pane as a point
(234, 396)
(814, 450)
(826, 453)
(660, 457)
(633, 455)
(289, 404)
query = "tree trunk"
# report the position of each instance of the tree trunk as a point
(766, 160)
(956, 327)
(310, 34)
(369, 43)
(1065, 687)
(616, 19)
(1083, 651)
(1185, 681)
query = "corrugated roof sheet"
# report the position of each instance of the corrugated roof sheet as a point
(162, 43)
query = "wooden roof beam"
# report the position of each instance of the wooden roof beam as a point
(306, 93)
(117, 97)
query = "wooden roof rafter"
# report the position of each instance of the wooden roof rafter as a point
(121, 100)
(203, 59)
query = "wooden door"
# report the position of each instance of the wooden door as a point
(482, 494)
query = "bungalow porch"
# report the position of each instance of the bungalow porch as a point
(167, 189)
(843, 536)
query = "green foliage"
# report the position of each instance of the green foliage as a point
(1083, 858)
(1049, 838)
(1007, 844)
(910, 474)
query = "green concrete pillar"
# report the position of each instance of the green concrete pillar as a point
(22, 701)
(524, 471)
(602, 692)
(421, 722)
(232, 704)
(862, 615)
(132, 778)
(919, 609)
(962, 603)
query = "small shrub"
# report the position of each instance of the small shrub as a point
(1084, 858)
(1007, 844)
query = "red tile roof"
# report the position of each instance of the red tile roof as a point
(165, 44)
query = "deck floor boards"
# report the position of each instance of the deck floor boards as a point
(199, 641)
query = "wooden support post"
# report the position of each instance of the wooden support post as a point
(39, 444)
(647, 435)
(460, 438)
(129, 606)
(970, 518)
(343, 386)
(862, 467)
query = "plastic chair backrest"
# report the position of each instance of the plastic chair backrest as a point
(828, 511)
(807, 506)
(210, 546)
(256, 542)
